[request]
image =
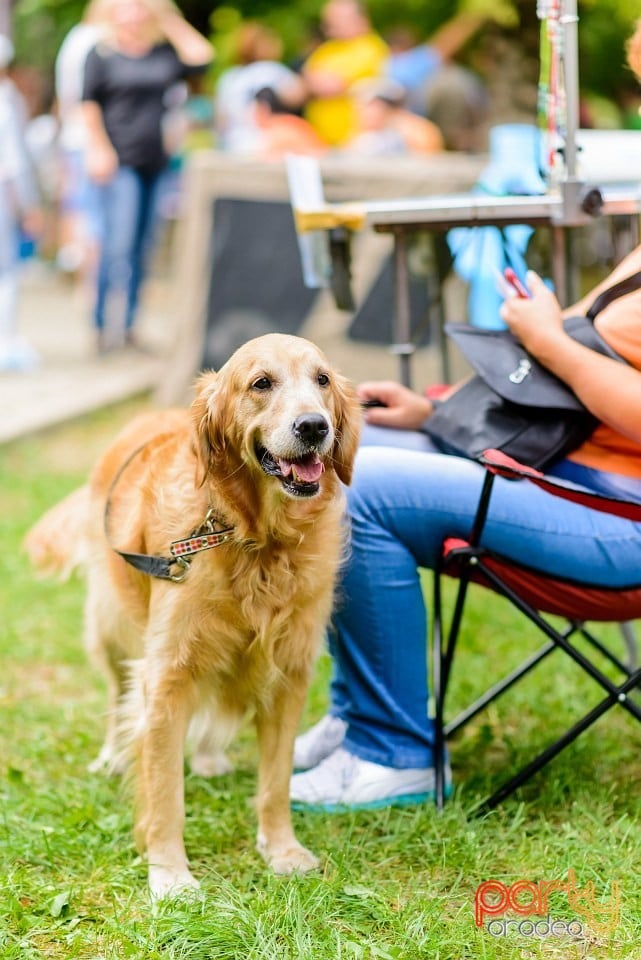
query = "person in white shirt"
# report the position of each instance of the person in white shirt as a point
(76, 237)
(19, 207)
(258, 52)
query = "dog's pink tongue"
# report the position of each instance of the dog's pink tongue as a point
(308, 470)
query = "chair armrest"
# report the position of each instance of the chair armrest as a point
(500, 464)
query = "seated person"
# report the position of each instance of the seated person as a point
(279, 131)
(258, 51)
(351, 51)
(386, 127)
(375, 746)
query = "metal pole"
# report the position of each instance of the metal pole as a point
(569, 21)
(572, 188)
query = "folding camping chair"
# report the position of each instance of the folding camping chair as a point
(535, 595)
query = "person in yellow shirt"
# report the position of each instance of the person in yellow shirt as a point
(353, 51)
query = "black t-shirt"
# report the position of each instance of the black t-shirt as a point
(131, 93)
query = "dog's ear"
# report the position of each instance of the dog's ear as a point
(207, 412)
(348, 427)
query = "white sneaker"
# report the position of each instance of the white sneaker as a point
(318, 742)
(344, 781)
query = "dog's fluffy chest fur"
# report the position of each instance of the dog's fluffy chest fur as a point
(258, 611)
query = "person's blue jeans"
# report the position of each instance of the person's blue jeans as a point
(127, 210)
(402, 504)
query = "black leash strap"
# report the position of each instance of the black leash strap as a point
(160, 567)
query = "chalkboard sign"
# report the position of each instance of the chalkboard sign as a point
(373, 319)
(256, 283)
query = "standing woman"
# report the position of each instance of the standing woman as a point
(146, 48)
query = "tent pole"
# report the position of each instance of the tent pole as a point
(569, 22)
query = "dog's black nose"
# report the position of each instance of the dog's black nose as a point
(311, 428)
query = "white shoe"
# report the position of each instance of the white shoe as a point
(318, 742)
(344, 781)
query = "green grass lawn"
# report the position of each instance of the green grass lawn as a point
(394, 883)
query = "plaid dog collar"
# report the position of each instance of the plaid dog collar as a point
(211, 533)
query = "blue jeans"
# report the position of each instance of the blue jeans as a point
(402, 504)
(127, 211)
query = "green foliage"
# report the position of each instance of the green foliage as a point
(604, 27)
(424, 18)
(294, 22)
(40, 27)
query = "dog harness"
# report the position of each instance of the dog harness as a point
(212, 532)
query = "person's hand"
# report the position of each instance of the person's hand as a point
(167, 16)
(404, 409)
(193, 49)
(102, 163)
(537, 321)
(323, 83)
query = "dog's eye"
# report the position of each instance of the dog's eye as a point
(323, 380)
(263, 383)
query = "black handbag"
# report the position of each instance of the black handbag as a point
(513, 403)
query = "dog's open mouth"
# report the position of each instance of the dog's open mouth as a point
(299, 477)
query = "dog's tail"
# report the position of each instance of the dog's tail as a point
(56, 544)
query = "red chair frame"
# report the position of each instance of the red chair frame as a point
(534, 594)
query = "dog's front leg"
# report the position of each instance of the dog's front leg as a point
(276, 725)
(168, 709)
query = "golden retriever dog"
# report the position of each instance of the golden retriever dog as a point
(211, 542)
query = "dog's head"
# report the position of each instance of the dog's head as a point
(277, 409)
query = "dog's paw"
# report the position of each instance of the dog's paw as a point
(166, 884)
(292, 859)
(210, 764)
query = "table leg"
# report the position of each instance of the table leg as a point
(401, 332)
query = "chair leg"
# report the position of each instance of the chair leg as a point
(560, 640)
(443, 657)
(618, 695)
(510, 679)
(438, 693)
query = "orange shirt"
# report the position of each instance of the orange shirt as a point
(620, 326)
(285, 133)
